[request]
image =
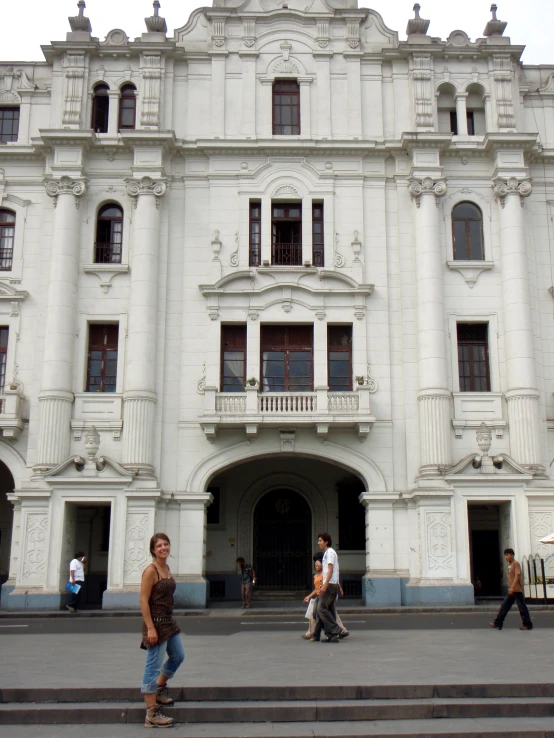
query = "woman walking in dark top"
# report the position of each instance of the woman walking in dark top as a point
(160, 633)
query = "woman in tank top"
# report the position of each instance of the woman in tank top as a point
(160, 633)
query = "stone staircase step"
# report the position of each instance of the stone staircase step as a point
(278, 711)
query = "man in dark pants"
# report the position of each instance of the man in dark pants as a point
(327, 617)
(515, 594)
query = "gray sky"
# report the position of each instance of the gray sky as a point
(34, 22)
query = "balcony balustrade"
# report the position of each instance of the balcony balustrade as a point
(11, 421)
(252, 410)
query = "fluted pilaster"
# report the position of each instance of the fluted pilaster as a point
(523, 415)
(138, 436)
(434, 422)
(55, 418)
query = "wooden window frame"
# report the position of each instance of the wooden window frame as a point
(6, 252)
(280, 88)
(287, 347)
(13, 135)
(468, 243)
(255, 249)
(4, 338)
(470, 382)
(238, 347)
(339, 349)
(318, 239)
(127, 92)
(101, 90)
(286, 253)
(103, 347)
(109, 252)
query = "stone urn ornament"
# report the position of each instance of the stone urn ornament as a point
(92, 443)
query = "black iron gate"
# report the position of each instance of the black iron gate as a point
(282, 541)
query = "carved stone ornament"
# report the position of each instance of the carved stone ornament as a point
(116, 37)
(92, 443)
(339, 259)
(155, 23)
(484, 439)
(511, 186)
(417, 24)
(283, 190)
(234, 258)
(283, 66)
(80, 22)
(426, 186)
(65, 186)
(494, 27)
(146, 186)
(201, 384)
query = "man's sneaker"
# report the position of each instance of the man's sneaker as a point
(495, 626)
(156, 719)
(71, 609)
(162, 696)
(333, 639)
(344, 633)
(526, 627)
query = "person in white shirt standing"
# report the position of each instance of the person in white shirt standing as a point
(329, 589)
(77, 576)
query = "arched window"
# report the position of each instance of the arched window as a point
(286, 107)
(109, 235)
(127, 107)
(7, 236)
(100, 108)
(467, 232)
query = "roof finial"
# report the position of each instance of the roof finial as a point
(417, 25)
(155, 23)
(80, 22)
(494, 27)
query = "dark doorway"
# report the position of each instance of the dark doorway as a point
(282, 541)
(6, 521)
(486, 564)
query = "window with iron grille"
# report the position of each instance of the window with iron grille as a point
(102, 357)
(109, 235)
(286, 234)
(100, 109)
(127, 107)
(286, 107)
(351, 515)
(317, 234)
(9, 124)
(7, 237)
(473, 357)
(255, 232)
(467, 232)
(233, 358)
(339, 358)
(287, 358)
(4, 333)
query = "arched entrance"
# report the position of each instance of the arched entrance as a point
(282, 541)
(6, 521)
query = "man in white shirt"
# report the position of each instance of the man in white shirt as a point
(329, 590)
(77, 576)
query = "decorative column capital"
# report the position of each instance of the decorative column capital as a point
(426, 186)
(65, 186)
(511, 186)
(146, 186)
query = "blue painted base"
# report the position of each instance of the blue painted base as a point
(381, 591)
(191, 594)
(444, 594)
(29, 601)
(119, 600)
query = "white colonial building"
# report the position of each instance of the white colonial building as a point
(281, 272)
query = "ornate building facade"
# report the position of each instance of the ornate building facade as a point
(277, 273)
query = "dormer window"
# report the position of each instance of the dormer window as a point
(100, 108)
(9, 124)
(286, 107)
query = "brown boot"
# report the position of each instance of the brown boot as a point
(162, 696)
(156, 719)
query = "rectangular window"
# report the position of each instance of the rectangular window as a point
(213, 512)
(351, 515)
(286, 234)
(255, 233)
(286, 108)
(233, 358)
(470, 123)
(287, 358)
(473, 357)
(317, 234)
(453, 122)
(4, 332)
(102, 357)
(9, 124)
(339, 358)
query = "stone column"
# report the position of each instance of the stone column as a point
(56, 396)
(218, 93)
(434, 396)
(113, 113)
(461, 113)
(305, 107)
(522, 396)
(191, 589)
(266, 118)
(248, 123)
(323, 92)
(139, 396)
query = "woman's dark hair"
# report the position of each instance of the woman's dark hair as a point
(318, 556)
(158, 537)
(509, 551)
(79, 554)
(326, 538)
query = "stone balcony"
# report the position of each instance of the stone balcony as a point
(252, 410)
(11, 421)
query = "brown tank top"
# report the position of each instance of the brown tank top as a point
(161, 610)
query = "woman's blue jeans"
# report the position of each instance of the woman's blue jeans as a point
(154, 658)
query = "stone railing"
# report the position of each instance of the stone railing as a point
(11, 422)
(284, 403)
(343, 402)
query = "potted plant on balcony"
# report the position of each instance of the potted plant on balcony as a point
(252, 382)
